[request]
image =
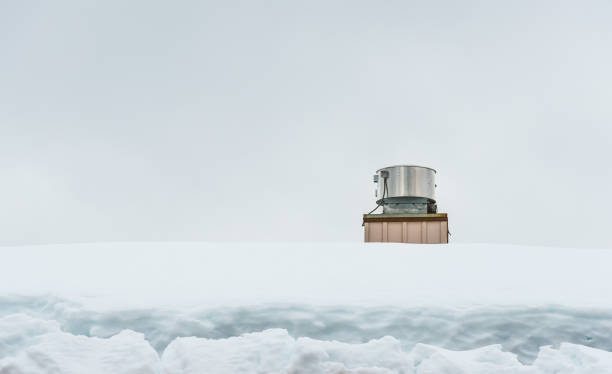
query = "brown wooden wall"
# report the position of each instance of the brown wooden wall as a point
(413, 231)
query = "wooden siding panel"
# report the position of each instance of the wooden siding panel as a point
(375, 232)
(394, 232)
(412, 231)
(433, 232)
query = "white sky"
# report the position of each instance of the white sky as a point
(197, 120)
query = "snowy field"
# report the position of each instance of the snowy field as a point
(304, 308)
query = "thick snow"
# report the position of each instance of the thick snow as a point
(30, 345)
(49, 350)
(304, 308)
(147, 274)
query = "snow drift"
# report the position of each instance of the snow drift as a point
(304, 308)
(41, 347)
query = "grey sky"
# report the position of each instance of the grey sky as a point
(265, 120)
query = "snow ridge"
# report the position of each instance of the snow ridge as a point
(31, 345)
(304, 308)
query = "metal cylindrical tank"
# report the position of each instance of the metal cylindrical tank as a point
(406, 189)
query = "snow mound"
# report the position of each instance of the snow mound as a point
(521, 330)
(34, 346)
(43, 348)
(263, 352)
(490, 359)
(274, 351)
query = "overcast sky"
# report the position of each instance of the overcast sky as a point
(202, 120)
